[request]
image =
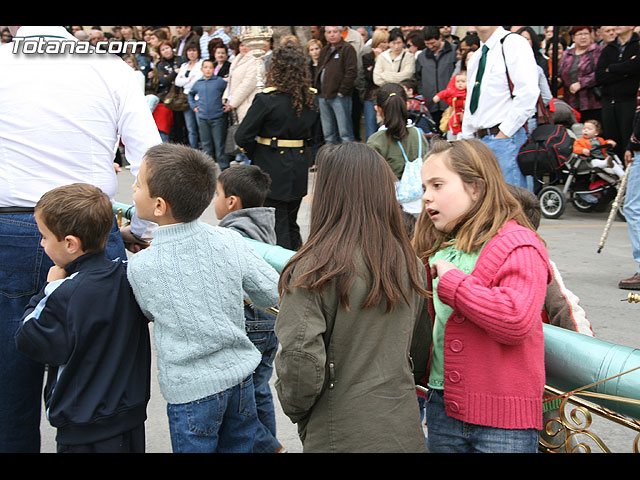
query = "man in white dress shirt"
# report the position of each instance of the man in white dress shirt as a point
(61, 118)
(499, 116)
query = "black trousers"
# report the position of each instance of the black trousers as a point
(287, 228)
(617, 123)
(132, 441)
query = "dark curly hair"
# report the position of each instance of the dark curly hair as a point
(289, 73)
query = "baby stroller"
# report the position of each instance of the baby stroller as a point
(588, 184)
(420, 117)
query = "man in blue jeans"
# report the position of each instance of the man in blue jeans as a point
(54, 133)
(494, 112)
(632, 199)
(336, 75)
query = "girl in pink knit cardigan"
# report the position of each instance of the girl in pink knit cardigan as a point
(488, 271)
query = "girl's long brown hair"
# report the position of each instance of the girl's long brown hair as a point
(354, 214)
(476, 164)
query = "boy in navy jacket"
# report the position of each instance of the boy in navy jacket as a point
(86, 325)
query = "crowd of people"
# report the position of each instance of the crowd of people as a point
(448, 291)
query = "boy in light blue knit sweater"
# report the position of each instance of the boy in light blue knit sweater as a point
(190, 283)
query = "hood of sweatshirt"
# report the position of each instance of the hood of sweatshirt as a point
(257, 223)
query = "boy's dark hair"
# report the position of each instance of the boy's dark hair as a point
(529, 202)
(81, 210)
(183, 176)
(248, 182)
(410, 83)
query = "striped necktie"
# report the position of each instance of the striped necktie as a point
(476, 87)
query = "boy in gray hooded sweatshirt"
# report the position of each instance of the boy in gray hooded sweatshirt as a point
(239, 205)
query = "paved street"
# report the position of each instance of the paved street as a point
(572, 242)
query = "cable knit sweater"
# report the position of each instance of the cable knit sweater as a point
(494, 369)
(190, 282)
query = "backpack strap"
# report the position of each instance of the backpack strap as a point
(419, 132)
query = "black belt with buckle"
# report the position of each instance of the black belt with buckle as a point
(483, 132)
(14, 210)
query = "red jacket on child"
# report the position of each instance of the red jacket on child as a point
(454, 98)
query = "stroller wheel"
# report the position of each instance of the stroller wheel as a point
(552, 202)
(581, 204)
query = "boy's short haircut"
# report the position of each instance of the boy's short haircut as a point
(410, 83)
(248, 182)
(529, 203)
(183, 176)
(81, 210)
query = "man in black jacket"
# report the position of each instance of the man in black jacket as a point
(434, 67)
(615, 73)
(632, 197)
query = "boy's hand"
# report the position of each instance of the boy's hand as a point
(56, 273)
(131, 242)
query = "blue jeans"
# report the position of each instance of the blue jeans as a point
(506, 151)
(213, 134)
(191, 122)
(632, 206)
(335, 116)
(449, 435)
(259, 327)
(23, 272)
(225, 422)
(370, 119)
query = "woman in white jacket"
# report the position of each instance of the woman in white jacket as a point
(395, 64)
(243, 82)
(190, 72)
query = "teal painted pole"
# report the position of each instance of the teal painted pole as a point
(574, 360)
(274, 255)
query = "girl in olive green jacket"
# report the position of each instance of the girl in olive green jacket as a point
(350, 300)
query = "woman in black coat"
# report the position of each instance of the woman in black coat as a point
(276, 135)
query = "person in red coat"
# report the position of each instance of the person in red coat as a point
(455, 95)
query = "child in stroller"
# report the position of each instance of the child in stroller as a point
(590, 146)
(417, 109)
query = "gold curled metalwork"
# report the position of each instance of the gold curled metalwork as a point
(571, 429)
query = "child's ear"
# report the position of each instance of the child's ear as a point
(233, 203)
(73, 244)
(161, 207)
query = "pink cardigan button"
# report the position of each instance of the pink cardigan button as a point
(455, 346)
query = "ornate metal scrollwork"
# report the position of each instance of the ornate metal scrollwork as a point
(570, 430)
